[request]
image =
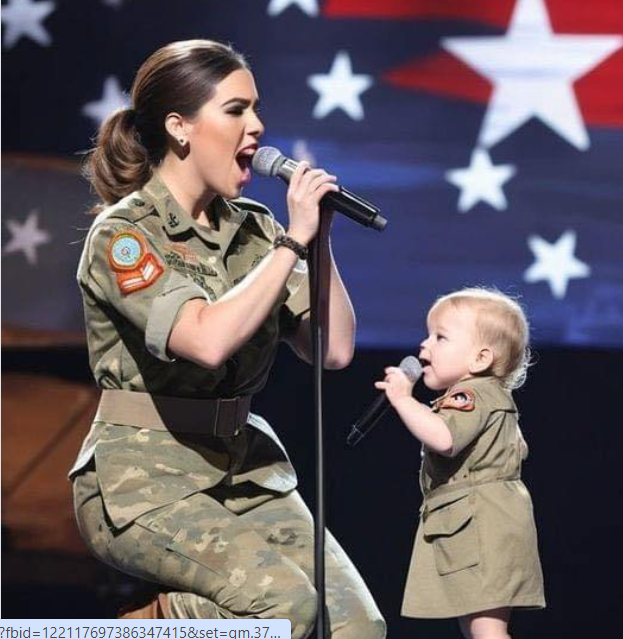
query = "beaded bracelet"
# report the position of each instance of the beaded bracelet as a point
(293, 245)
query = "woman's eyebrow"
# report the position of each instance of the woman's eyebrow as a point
(243, 101)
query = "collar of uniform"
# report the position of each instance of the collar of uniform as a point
(178, 221)
(175, 218)
(230, 218)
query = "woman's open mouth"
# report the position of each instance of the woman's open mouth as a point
(243, 158)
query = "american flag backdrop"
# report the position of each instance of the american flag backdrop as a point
(489, 132)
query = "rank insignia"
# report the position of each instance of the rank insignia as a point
(460, 399)
(135, 267)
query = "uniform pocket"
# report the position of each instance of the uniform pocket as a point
(450, 527)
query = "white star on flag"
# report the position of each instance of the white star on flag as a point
(310, 7)
(340, 88)
(26, 237)
(24, 18)
(481, 180)
(555, 263)
(112, 99)
(533, 71)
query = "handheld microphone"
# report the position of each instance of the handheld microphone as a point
(412, 368)
(269, 161)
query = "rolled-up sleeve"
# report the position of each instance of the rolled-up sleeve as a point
(165, 310)
(467, 423)
(297, 302)
(151, 296)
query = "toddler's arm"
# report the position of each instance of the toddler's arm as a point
(428, 427)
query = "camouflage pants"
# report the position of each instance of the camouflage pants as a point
(233, 552)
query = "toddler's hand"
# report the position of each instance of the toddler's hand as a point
(396, 384)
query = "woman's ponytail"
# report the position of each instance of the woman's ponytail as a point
(119, 164)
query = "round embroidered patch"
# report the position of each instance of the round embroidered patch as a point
(126, 250)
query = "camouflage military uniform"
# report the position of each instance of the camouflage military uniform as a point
(476, 544)
(215, 519)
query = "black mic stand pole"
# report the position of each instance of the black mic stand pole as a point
(318, 324)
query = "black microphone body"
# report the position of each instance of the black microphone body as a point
(412, 368)
(269, 161)
(368, 420)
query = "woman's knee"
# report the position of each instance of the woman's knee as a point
(276, 594)
(299, 604)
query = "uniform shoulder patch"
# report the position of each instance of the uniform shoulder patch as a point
(459, 399)
(133, 264)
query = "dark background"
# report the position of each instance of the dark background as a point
(570, 417)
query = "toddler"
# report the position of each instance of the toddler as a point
(475, 555)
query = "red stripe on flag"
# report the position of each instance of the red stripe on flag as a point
(580, 16)
(566, 16)
(600, 92)
(489, 11)
(441, 74)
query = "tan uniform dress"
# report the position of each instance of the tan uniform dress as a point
(476, 543)
(213, 518)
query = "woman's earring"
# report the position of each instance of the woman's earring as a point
(184, 148)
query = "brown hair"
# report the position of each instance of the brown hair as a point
(502, 325)
(180, 77)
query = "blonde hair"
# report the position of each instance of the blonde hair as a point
(502, 325)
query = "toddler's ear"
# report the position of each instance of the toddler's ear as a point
(482, 361)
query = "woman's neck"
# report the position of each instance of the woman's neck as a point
(187, 188)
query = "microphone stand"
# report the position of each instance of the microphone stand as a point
(318, 256)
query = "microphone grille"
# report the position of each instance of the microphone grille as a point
(412, 368)
(266, 161)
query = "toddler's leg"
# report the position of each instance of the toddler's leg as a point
(489, 624)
